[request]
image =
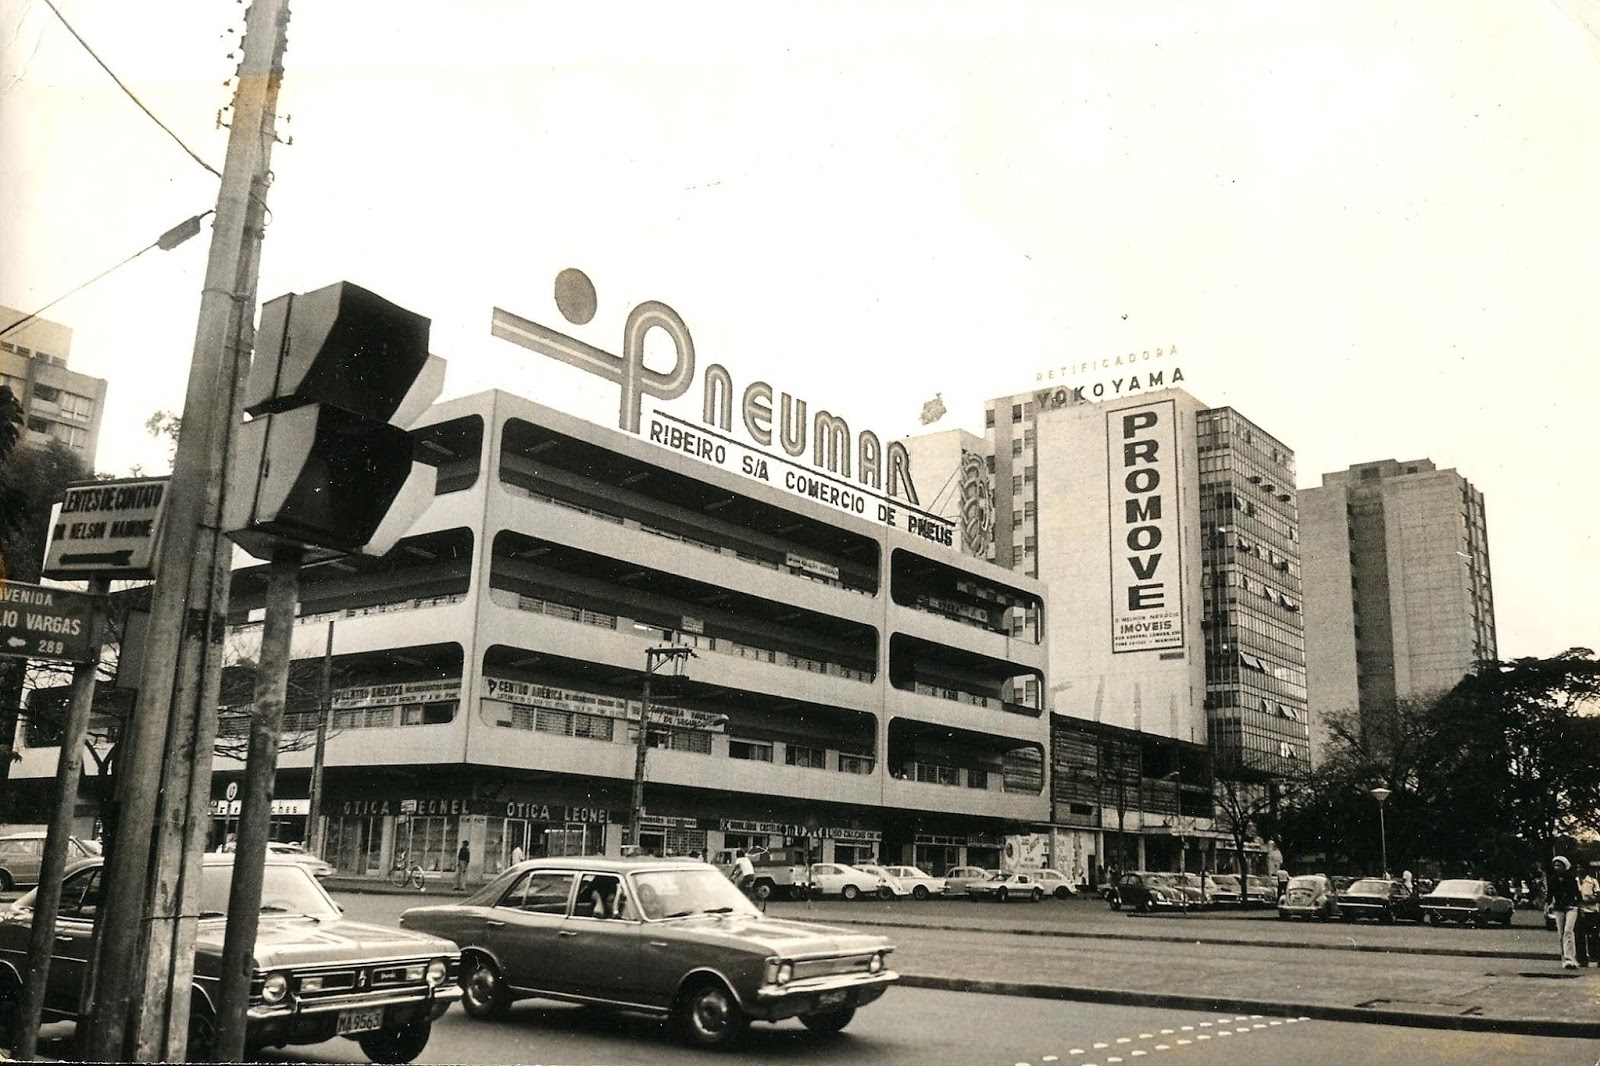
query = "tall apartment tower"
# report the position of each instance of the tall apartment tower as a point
(1168, 533)
(58, 404)
(1399, 603)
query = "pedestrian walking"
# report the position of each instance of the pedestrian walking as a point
(1588, 934)
(516, 855)
(463, 860)
(1564, 899)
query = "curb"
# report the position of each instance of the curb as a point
(1467, 953)
(1472, 1023)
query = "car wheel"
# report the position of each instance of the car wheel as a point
(202, 1030)
(800, 892)
(10, 1009)
(6, 883)
(885, 892)
(1036, 895)
(830, 1021)
(708, 1016)
(401, 1044)
(1506, 921)
(484, 993)
(1000, 894)
(1348, 917)
(849, 892)
(919, 892)
(1116, 903)
(762, 891)
(1062, 892)
(1387, 917)
(1146, 907)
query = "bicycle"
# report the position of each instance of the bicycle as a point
(402, 874)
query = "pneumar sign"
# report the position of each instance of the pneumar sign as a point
(814, 454)
(1146, 563)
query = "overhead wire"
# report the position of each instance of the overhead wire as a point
(79, 37)
(167, 241)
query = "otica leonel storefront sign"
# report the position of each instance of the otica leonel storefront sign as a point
(811, 454)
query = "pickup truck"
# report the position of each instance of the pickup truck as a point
(779, 871)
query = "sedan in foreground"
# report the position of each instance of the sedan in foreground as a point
(1466, 901)
(659, 936)
(1379, 898)
(316, 975)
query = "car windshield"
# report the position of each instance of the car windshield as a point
(1369, 886)
(1161, 880)
(1458, 888)
(904, 871)
(1312, 883)
(285, 889)
(682, 893)
(1225, 880)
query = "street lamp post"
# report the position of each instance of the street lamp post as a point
(1380, 794)
(653, 658)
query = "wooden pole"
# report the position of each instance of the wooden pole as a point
(47, 902)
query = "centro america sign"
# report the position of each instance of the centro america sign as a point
(852, 472)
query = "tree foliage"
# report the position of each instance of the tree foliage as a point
(1483, 778)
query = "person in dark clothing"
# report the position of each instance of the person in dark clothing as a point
(1564, 899)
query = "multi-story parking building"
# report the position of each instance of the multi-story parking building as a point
(854, 688)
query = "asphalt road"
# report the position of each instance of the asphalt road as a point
(919, 1027)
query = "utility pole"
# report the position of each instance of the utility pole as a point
(144, 947)
(314, 833)
(653, 658)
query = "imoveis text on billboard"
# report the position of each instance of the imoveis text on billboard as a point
(1146, 562)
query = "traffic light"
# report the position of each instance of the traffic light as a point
(325, 461)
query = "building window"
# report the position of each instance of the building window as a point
(436, 713)
(1016, 482)
(989, 461)
(988, 419)
(38, 425)
(856, 764)
(801, 755)
(1016, 412)
(977, 779)
(47, 393)
(747, 749)
(1016, 447)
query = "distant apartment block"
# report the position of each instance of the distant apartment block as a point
(58, 404)
(1399, 603)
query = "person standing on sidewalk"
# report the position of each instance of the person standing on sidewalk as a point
(463, 860)
(1588, 934)
(1564, 898)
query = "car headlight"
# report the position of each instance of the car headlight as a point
(779, 971)
(438, 972)
(875, 964)
(275, 989)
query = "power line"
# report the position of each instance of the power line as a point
(129, 91)
(166, 242)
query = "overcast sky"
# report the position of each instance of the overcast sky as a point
(1372, 227)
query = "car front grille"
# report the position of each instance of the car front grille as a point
(841, 964)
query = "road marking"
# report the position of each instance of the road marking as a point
(1144, 1036)
(1162, 1047)
(1184, 1042)
(1188, 1028)
(1166, 1032)
(1203, 1036)
(1100, 1046)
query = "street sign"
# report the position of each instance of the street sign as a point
(44, 623)
(106, 529)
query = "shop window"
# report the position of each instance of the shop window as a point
(437, 713)
(47, 394)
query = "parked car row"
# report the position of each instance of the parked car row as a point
(866, 880)
(1464, 901)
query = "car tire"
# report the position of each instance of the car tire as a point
(849, 892)
(1347, 918)
(1387, 917)
(1000, 894)
(1434, 919)
(885, 892)
(202, 1037)
(708, 1016)
(1036, 895)
(401, 1044)
(1146, 907)
(919, 892)
(762, 891)
(10, 1009)
(800, 892)
(828, 1021)
(1506, 921)
(1062, 892)
(1116, 902)
(483, 990)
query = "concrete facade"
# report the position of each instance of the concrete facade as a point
(1399, 594)
(58, 403)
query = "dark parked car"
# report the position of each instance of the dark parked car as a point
(1464, 900)
(22, 853)
(661, 936)
(1381, 899)
(316, 975)
(1309, 896)
(1141, 890)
